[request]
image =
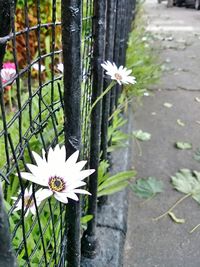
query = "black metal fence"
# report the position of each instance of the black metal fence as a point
(39, 110)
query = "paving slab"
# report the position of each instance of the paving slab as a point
(177, 38)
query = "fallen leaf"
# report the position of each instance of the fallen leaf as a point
(174, 218)
(197, 155)
(197, 99)
(179, 122)
(187, 182)
(183, 145)
(147, 187)
(142, 136)
(169, 38)
(167, 105)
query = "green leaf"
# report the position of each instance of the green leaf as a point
(103, 171)
(147, 187)
(187, 182)
(85, 219)
(183, 145)
(116, 179)
(142, 136)
(197, 155)
(112, 189)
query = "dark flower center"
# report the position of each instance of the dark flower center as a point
(56, 184)
(118, 76)
(28, 201)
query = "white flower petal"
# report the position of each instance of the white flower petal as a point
(83, 174)
(42, 194)
(72, 159)
(74, 184)
(18, 206)
(82, 191)
(79, 165)
(39, 160)
(36, 67)
(51, 158)
(32, 178)
(60, 67)
(72, 195)
(61, 197)
(33, 210)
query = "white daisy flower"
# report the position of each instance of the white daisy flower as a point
(61, 177)
(35, 66)
(60, 67)
(121, 74)
(29, 204)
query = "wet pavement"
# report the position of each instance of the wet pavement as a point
(165, 243)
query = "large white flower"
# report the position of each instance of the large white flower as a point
(61, 177)
(121, 74)
(29, 204)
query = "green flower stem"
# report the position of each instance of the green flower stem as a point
(10, 99)
(169, 210)
(100, 97)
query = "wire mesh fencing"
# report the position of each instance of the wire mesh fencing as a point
(50, 76)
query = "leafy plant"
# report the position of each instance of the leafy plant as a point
(141, 58)
(147, 187)
(115, 133)
(107, 184)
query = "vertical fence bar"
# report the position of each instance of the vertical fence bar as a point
(122, 48)
(89, 242)
(116, 51)
(7, 257)
(5, 26)
(120, 53)
(71, 42)
(110, 30)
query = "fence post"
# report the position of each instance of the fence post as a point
(71, 42)
(7, 257)
(110, 34)
(5, 24)
(89, 242)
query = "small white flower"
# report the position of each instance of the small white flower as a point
(8, 71)
(60, 67)
(62, 178)
(36, 67)
(28, 201)
(121, 74)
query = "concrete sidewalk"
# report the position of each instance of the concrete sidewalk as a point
(164, 243)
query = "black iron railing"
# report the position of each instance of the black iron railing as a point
(53, 51)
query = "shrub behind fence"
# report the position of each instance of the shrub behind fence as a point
(38, 111)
